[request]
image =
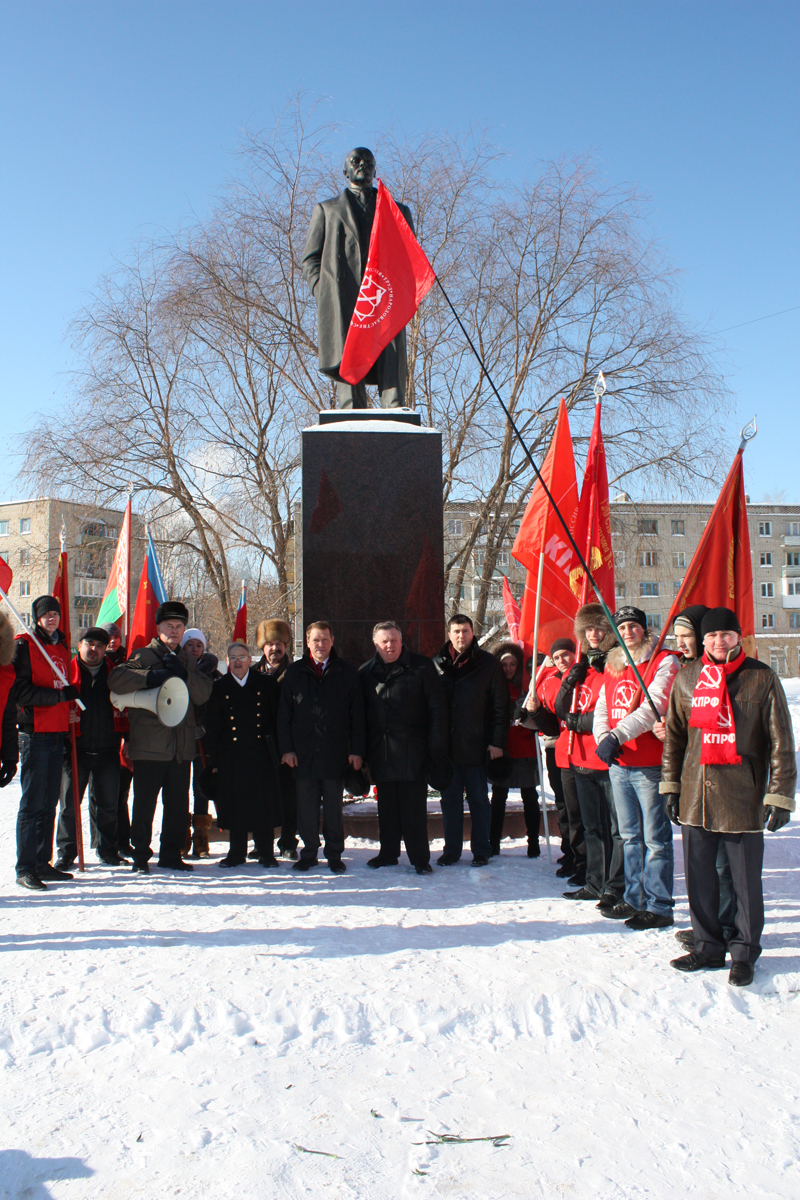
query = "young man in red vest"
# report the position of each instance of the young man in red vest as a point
(43, 705)
(626, 743)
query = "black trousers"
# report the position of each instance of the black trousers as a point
(577, 840)
(288, 838)
(530, 806)
(103, 770)
(172, 780)
(199, 798)
(605, 869)
(310, 794)
(262, 837)
(746, 858)
(403, 813)
(554, 775)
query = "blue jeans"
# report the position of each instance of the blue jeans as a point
(471, 780)
(646, 838)
(41, 760)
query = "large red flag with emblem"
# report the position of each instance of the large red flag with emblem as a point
(593, 524)
(396, 279)
(541, 535)
(61, 594)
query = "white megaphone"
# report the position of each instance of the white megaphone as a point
(169, 702)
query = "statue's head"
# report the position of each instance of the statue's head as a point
(359, 167)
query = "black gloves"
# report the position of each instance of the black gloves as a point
(608, 750)
(171, 666)
(70, 692)
(775, 818)
(571, 721)
(7, 772)
(577, 672)
(673, 807)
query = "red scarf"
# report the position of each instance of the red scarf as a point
(712, 713)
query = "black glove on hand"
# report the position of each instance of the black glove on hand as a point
(775, 818)
(70, 692)
(571, 721)
(609, 750)
(577, 672)
(156, 676)
(673, 807)
(7, 772)
(175, 667)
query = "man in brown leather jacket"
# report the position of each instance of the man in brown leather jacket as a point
(728, 770)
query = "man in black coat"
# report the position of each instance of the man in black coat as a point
(477, 697)
(274, 640)
(334, 259)
(320, 730)
(406, 713)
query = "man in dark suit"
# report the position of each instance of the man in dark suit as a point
(333, 263)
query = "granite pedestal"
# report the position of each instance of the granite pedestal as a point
(373, 528)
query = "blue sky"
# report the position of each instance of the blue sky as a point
(118, 118)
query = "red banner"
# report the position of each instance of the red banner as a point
(512, 611)
(396, 279)
(593, 524)
(61, 594)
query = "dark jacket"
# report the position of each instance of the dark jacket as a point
(239, 742)
(149, 740)
(477, 701)
(731, 798)
(207, 664)
(406, 713)
(26, 694)
(97, 731)
(321, 720)
(285, 773)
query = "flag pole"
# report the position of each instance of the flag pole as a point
(56, 669)
(73, 744)
(557, 510)
(532, 689)
(128, 573)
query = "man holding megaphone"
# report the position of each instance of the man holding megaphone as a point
(160, 747)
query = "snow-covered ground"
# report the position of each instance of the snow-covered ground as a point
(202, 1036)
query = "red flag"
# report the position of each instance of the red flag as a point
(396, 279)
(61, 594)
(240, 624)
(511, 609)
(541, 534)
(6, 575)
(593, 524)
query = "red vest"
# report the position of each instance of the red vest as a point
(51, 718)
(548, 689)
(644, 751)
(584, 745)
(7, 677)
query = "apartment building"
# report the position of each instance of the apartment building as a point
(653, 546)
(30, 542)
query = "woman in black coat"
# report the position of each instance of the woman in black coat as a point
(239, 719)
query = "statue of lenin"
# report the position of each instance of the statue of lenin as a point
(334, 259)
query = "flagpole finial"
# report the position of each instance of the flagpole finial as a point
(599, 386)
(63, 533)
(749, 431)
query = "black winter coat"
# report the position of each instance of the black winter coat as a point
(287, 774)
(321, 720)
(97, 729)
(478, 704)
(406, 711)
(239, 743)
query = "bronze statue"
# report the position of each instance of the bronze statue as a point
(334, 259)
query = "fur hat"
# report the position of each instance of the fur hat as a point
(593, 615)
(7, 643)
(273, 630)
(511, 648)
(172, 610)
(43, 605)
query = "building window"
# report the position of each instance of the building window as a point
(24, 524)
(648, 558)
(480, 558)
(90, 587)
(793, 529)
(679, 558)
(85, 620)
(794, 620)
(4, 555)
(24, 588)
(619, 590)
(455, 528)
(619, 558)
(679, 529)
(793, 587)
(3, 528)
(767, 620)
(649, 589)
(26, 616)
(654, 620)
(502, 558)
(25, 557)
(677, 584)
(453, 589)
(765, 528)
(792, 560)
(767, 591)
(766, 559)
(616, 526)
(648, 528)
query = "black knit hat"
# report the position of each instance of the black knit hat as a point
(718, 620)
(172, 610)
(95, 634)
(691, 618)
(43, 605)
(629, 613)
(562, 644)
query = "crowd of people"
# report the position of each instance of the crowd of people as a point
(274, 742)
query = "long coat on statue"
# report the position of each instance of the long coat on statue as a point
(239, 743)
(333, 266)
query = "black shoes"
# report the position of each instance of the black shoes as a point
(686, 938)
(52, 873)
(620, 911)
(111, 861)
(304, 864)
(269, 862)
(64, 864)
(565, 872)
(178, 865)
(479, 861)
(607, 901)
(139, 867)
(291, 853)
(581, 894)
(741, 974)
(533, 850)
(30, 881)
(697, 962)
(337, 866)
(380, 861)
(447, 860)
(578, 879)
(495, 849)
(649, 920)
(227, 861)
(425, 869)
(255, 853)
